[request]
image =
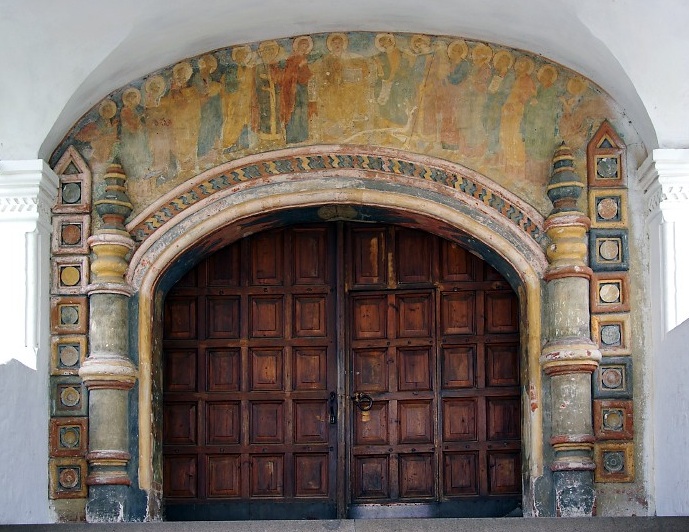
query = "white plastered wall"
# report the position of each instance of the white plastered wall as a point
(665, 181)
(27, 191)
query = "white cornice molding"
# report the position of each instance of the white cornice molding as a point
(664, 179)
(28, 189)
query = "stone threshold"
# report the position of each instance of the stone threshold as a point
(514, 524)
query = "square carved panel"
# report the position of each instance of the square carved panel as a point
(70, 275)
(68, 397)
(70, 234)
(613, 420)
(608, 208)
(67, 478)
(68, 436)
(68, 315)
(612, 333)
(613, 378)
(610, 292)
(608, 250)
(614, 462)
(67, 354)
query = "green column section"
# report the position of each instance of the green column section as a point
(108, 373)
(569, 356)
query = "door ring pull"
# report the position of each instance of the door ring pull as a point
(363, 401)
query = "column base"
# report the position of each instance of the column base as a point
(107, 504)
(575, 495)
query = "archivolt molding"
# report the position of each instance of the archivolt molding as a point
(339, 159)
(337, 168)
(419, 198)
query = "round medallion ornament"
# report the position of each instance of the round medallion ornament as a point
(609, 293)
(69, 478)
(71, 234)
(613, 462)
(610, 335)
(611, 378)
(69, 355)
(613, 420)
(70, 276)
(608, 209)
(69, 315)
(609, 250)
(69, 437)
(607, 167)
(70, 396)
(71, 193)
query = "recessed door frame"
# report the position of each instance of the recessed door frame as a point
(424, 204)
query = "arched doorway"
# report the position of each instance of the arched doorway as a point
(341, 369)
(179, 231)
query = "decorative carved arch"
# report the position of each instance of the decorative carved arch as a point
(244, 178)
(454, 201)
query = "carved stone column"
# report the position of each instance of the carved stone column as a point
(569, 357)
(108, 373)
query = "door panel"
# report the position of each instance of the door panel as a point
(249, 365)
(434, 344)
(429, 348)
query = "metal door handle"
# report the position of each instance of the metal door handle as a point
(333, 408)
(363, 401)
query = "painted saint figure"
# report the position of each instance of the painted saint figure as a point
(511, 137)
(294, 91)
(477, 92)
(540, 121)
(267, 77)
(240, 112)
(343, 89)
(455, 97)
(208, 89)
(393, 75)
(134, 152)
(499, 89)
(187, 123)
(158, 124)
(433, 98)
(426, 69)
(577, 121)
(102, 135)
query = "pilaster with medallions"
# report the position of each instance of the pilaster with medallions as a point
(613, 412)
(569, 357)
(68, 432)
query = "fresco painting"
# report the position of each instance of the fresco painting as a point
(498, 111)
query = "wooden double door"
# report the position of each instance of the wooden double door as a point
(341, 370)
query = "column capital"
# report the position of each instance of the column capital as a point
(28, 189)
(664, 179)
